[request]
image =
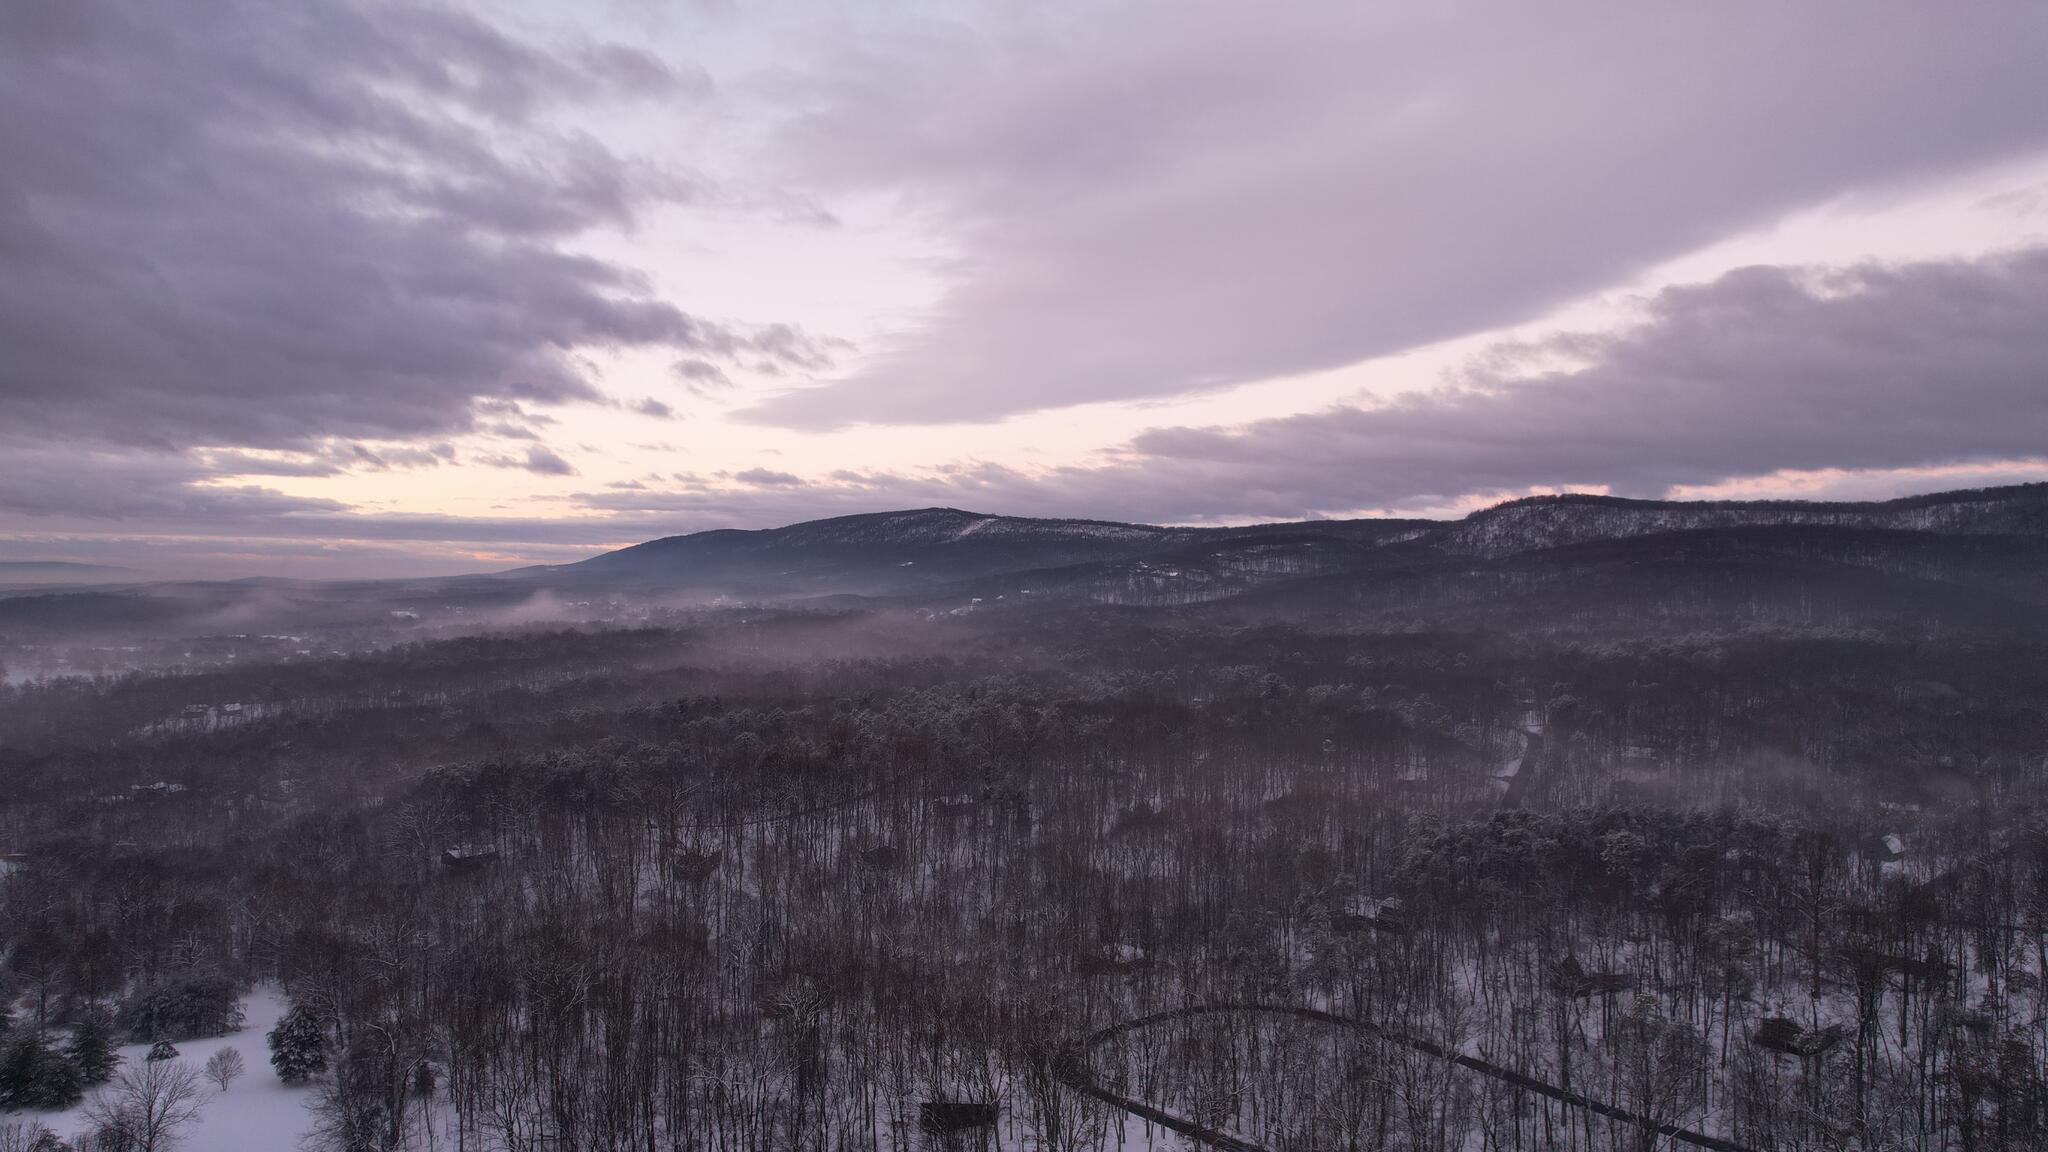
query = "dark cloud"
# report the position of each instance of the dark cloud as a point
(1161, 197)
(1762, 370)
(40, 481)
(655, 408)
(264, 225)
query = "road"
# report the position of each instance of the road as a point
(1072, 1069)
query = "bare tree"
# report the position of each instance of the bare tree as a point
(224, 1067)
(148, 1105)
(24, 1136)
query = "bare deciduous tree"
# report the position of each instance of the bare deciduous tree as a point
(224, 1067)
(23, 1136)
(148, 1105)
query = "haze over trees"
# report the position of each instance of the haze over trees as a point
(1578, 824)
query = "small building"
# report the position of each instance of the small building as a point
(957, 806)
(943, 1116)
(1570, 978)
(1115, 960)
(697, 867)
(1370, 915)
(468, 857)
(1784, 1035)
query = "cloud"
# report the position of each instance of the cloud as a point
(1162, 197)
(46, 481)
(540, 460)
(655, 408)
(108, 502)
(262, 226)
(1762, 370)
(1864, 381)
(1868, 370)
(543, 461)
(431, 456)
(701, 374)
(1859, 382)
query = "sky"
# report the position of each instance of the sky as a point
(363, 289)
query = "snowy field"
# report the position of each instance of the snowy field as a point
(256, 1114)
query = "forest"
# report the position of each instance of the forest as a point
(1067, 879)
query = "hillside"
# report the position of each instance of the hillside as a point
(942, 555)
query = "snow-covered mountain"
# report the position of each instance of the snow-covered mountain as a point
(935, 553)
(888, 553)
(1551, 521)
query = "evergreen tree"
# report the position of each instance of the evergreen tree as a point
(92, 1047)
(199, 1004)
(298, 1045)
(34, 1074)
(162, 1050)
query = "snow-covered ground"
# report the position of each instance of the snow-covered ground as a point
(257, 1113)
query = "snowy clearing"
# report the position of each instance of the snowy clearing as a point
(257, 1113)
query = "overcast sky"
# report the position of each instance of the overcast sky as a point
(352, 288)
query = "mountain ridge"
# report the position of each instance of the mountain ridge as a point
(897, 552)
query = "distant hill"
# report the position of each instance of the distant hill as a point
(942, 555)
(1551, 521)
(62, 572)
(1970, 562)
(894, 553)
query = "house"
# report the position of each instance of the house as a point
(1115, 960)
(1570, 978)
(468, 857)
(1784, 1035)
(697, 867)
(942, 1116)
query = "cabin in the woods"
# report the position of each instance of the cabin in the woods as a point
(1571, 978)
(956, 806)
(697, 867)
(1115, 960)
(1784, 1035)
(468, 857)
(943, 1116)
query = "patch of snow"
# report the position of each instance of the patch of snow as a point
(258, 1113)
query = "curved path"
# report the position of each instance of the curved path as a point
(1071, 1068)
